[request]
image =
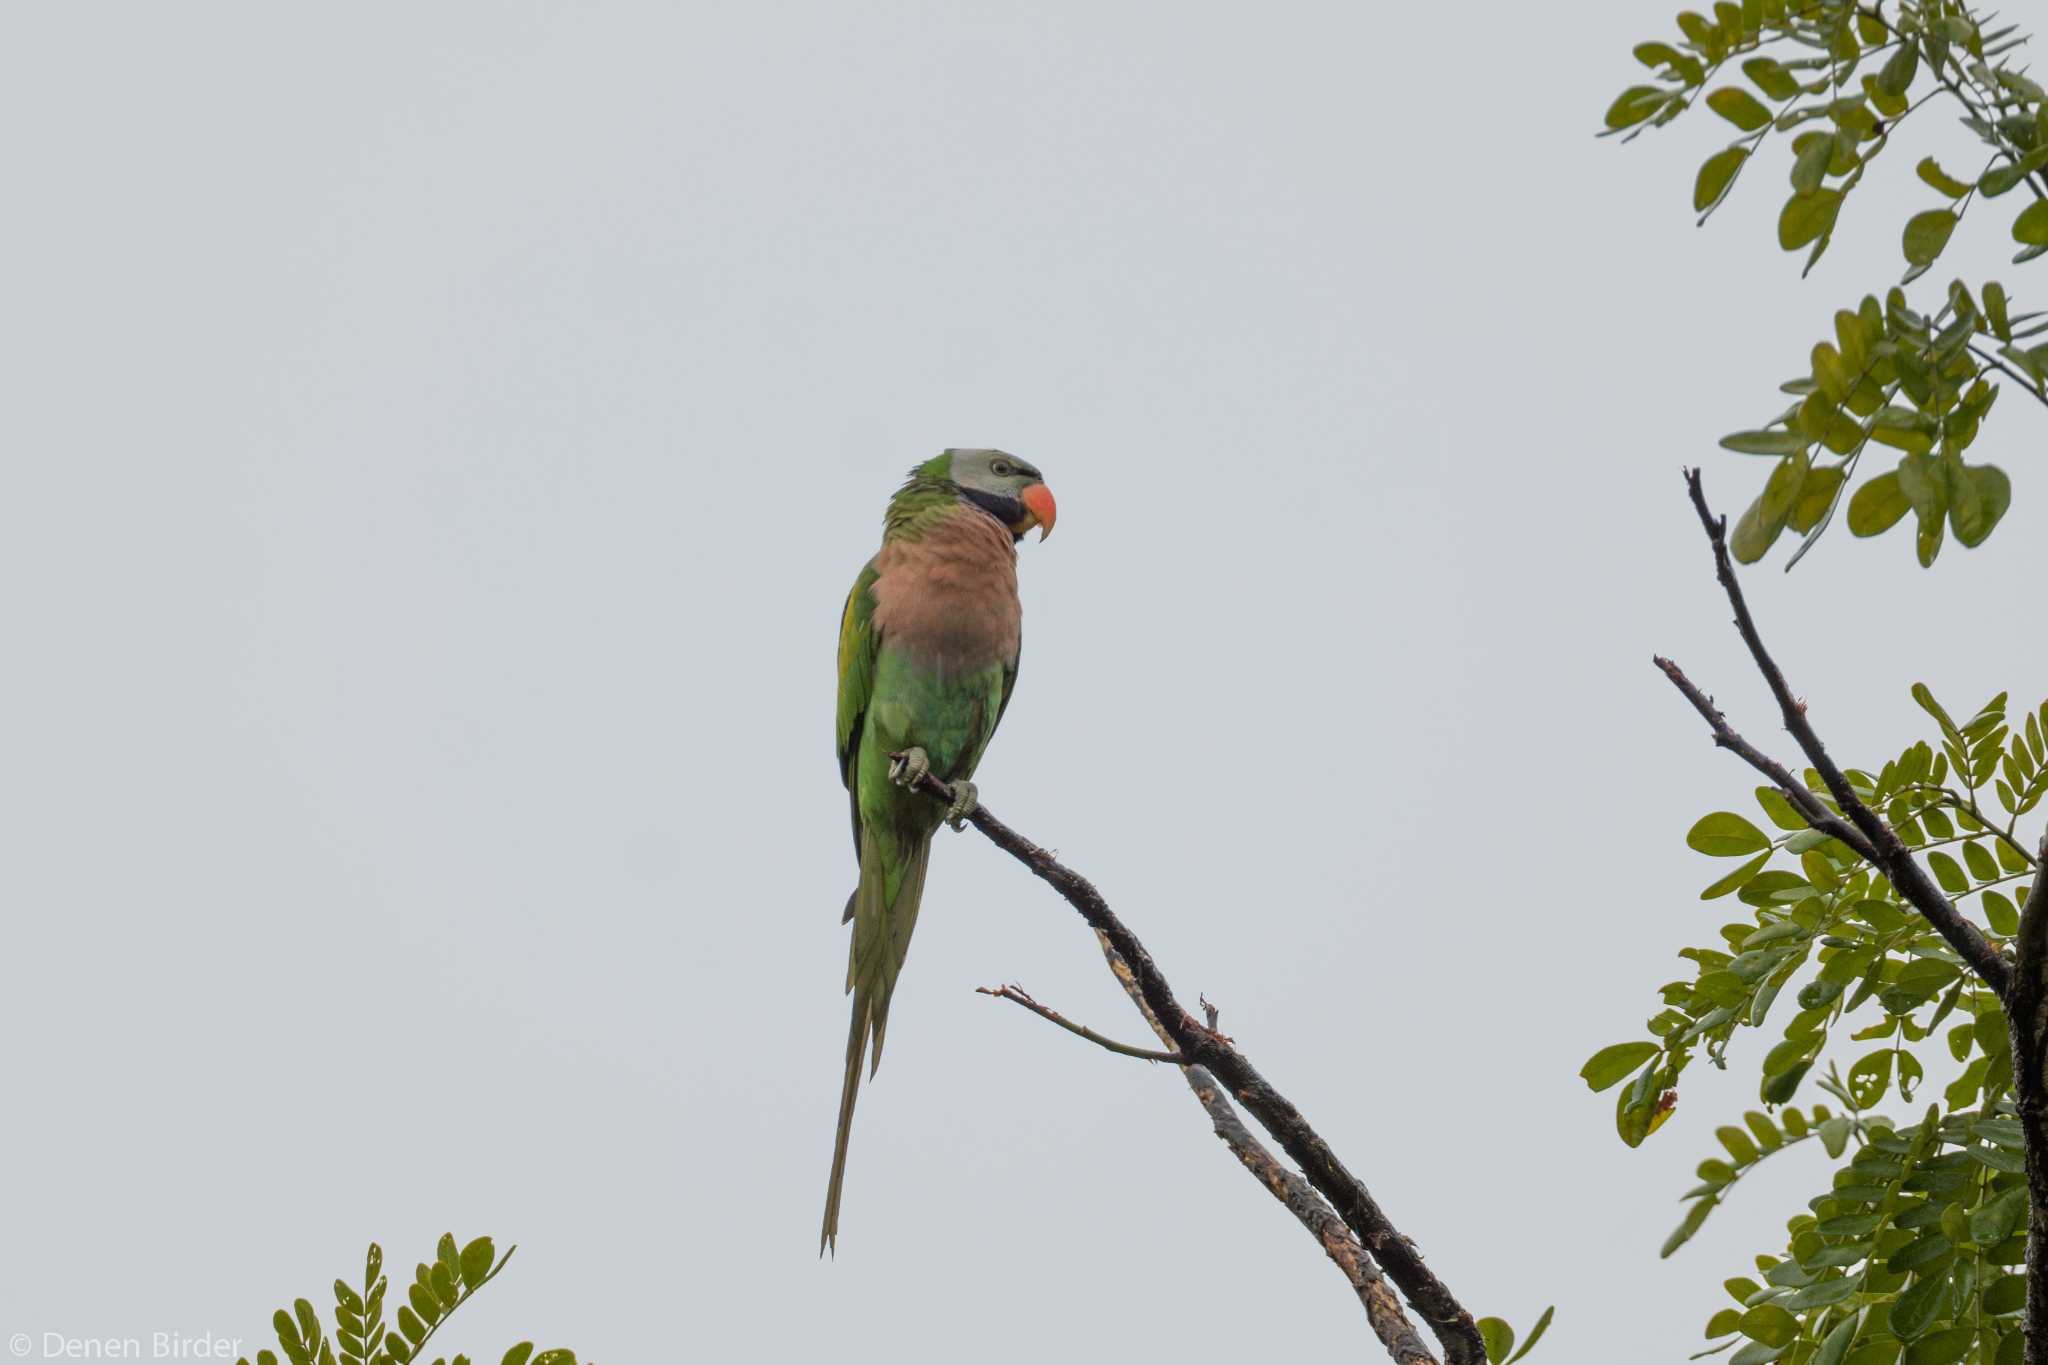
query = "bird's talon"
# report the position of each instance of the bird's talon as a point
(909, 768)
(966, 798)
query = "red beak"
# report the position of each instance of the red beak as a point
(1041, 509)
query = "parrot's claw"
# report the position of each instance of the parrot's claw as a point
(966, 799)
(910, 768)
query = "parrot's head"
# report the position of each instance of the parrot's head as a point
(1001, 485)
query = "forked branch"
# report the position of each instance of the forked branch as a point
(1851, 820)
(1200, 1046)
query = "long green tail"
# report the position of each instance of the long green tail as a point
(884, 912)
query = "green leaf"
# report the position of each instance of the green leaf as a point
(1808, 217)
(1766, 442)
(1999, 1218)
(1810, 165)
(2007, 1294)
(1927, 235)
(1895, 77)
(1821, 1293)
(1633, 105)
(1847, 1224)
(1771, 77)
(287, 1334)
(1877, 506)
(2007, 1133)
(2031, 227)
(1499, 1339)
(1930, 171)
(1789, 1053)
(1769, 1324)
(1945, 1347)
(1535, 1334)
(1754, 535)
(1834, 1135)
(1995, 310)
(1724, 834)
(1739, 107)
(1735, 880)
(1779, 810)
(1983, 498)
(1836, 1345)
(1816, 495)
(1766, 517)
(1717, 173)
(1923, 697)
(1914, 1311)
(1948, 873)
(443, 1280)
(476, 1261)
(1738, 1144)
(1682, 1234)
(1611, 1064)
(1755, 1353)
(2004, 176)
(518, 1354)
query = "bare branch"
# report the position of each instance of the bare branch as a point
(1447, 1318)
(1879, 842)
(1018, 995)
(1805, 802)
(1338, 1242)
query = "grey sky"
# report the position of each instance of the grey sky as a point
(440, 437)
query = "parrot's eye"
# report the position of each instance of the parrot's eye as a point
(1002, 469)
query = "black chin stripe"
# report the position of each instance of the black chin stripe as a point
(1008, 511)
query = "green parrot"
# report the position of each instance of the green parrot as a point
(927, 657)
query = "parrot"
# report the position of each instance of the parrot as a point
(928, 646)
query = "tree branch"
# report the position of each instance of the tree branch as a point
(1879, 843)
(1804, 801)
(1018, 995)
(2026, 1017)
(1200, 1046)
(1338, 1242)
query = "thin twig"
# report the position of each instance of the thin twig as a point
(2033, 390)
(1447, 1318)
(1879, 843)
(1019, 996)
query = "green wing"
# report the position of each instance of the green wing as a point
(1009, 686)
(859, 642)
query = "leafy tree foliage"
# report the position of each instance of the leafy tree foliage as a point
(361, 1337)
(1835, 81)
(1916, 1250)
(1908, 1251)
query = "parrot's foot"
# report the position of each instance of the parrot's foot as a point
(966, 798)
(910, 768)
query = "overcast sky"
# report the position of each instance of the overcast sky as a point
(439, 439)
